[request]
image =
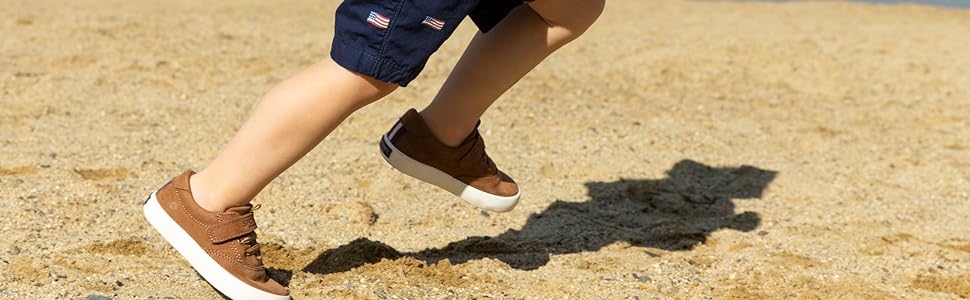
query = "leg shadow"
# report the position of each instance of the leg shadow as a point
(674, 213)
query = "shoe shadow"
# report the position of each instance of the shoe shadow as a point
(674, 213)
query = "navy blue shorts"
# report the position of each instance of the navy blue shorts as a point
(391, 40)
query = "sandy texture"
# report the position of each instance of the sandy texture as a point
(679, 150)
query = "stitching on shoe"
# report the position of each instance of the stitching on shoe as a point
(186, 210)
(246, 222)
(237, 261)
(234, 261)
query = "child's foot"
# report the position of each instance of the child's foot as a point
(464, 170)
(220, 246)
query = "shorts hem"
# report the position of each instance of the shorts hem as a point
(362, 61)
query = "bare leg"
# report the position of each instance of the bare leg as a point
(291, 119)
(497, 60)
(298, 113)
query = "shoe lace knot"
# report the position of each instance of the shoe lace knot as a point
(238, 225)
(476, 152)
(250, 239)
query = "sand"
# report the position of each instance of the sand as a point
(684, 150)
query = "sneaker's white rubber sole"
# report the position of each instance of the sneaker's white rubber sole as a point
(218, 277)
(429, 174)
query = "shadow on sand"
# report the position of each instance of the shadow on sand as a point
(674, 213)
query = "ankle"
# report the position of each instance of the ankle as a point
(203, 195)
(446, 131)
(450, 137)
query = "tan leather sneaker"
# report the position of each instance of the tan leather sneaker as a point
(465, 170)
(220, 246)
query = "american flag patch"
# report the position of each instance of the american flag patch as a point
(433, 23)
(378, 20)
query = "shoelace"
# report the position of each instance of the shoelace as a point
(479, 144)
(250, 240)
(253, 248)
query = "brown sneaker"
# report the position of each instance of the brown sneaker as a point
(465, 170)
(220, 246)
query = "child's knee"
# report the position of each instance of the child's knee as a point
(383, 88)
(375, 90)
(368, 89)
(590, 13)
(372, 87)
(574, 17)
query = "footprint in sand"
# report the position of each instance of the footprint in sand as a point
(18, 171)
(102, 174)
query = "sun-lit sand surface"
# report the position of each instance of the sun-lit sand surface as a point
(679, 150)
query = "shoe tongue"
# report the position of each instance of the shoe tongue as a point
(240, 210)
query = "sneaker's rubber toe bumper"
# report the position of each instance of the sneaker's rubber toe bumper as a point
(429, 174)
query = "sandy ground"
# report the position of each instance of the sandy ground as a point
(679, 150)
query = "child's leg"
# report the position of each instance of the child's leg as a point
(439, 145)
(291, 119)
(495, 61)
